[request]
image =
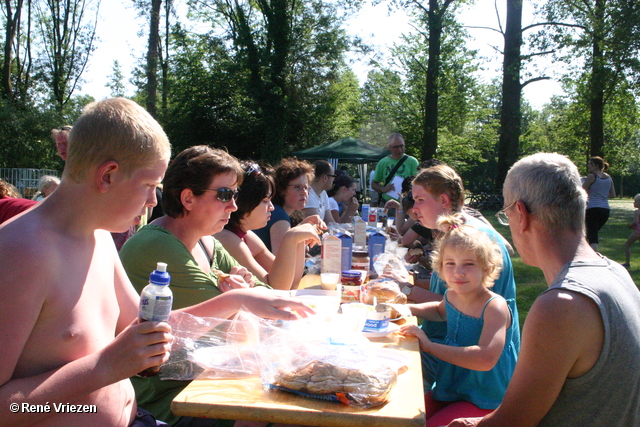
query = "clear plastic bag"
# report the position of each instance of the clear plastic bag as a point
(389, 262)
(207, 347)
(310, 357)
(324, 361)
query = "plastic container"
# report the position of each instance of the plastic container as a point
(352, 281)
(325, 303)
(354, 316)
(156, 300)
(360, 260)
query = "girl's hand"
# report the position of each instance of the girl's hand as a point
(415, 331)
(410, 331)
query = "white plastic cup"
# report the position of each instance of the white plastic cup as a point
(329, 281)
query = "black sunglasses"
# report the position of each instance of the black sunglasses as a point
(224, 194)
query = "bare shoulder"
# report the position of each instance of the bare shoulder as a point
(254, 242)
(570, 323)
(27, 248)
(227, 237)
(563, 304)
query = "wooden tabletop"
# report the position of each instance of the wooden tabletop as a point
(245, 398)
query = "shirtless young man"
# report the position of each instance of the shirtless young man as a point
(68, 314)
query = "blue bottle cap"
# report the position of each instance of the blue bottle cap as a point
(160, 275)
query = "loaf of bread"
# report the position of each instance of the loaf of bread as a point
(353, 386)
(384, 290)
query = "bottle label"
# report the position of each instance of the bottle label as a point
(156, 308)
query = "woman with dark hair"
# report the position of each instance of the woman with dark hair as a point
(199, 195)
(599, 187)
(292, 178)
(282, 270)
(342, 201)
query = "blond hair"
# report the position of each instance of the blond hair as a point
(442, 179)
(118, 130)
(457, 235)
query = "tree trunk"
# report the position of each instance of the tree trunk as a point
(274, 111)
(510, 114)
(597, 81)
(430, 129)
(152, 58)
(12, 23)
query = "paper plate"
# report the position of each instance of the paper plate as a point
(395, 359)
(390, 329)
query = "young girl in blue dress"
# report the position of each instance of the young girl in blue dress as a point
(477, 357)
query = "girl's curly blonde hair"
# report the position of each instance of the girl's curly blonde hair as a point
(457, 235)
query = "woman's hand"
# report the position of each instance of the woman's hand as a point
(391, 204)
(316, 221)
(400, 278)
(350, 206)
(303, 233)
(246, 275)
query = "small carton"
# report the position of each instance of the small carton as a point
(377, 242)
(360, 233)
(331, 254)
(373, 217)
(347, 247)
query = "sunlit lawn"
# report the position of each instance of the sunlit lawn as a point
(530, 281)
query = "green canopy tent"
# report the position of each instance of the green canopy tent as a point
(347, 150)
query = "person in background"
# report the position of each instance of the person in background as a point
(60, 137)
(396, 164)
(318, 200)
(291, 192)
(46, 186)
(581, 337)
(11, 203)
(282, 270)
(599, 187)
(635, 232)
(477, 356)
(342, 199)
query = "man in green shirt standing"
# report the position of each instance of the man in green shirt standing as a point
(391, 170)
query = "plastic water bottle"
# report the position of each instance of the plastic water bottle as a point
(156, 301)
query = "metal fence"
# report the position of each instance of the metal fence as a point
(25, 180)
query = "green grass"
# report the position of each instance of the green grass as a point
(530, 281)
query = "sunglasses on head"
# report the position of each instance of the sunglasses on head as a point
(224, 194)
(252, 168)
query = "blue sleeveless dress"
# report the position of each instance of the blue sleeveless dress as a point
(485, 389)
